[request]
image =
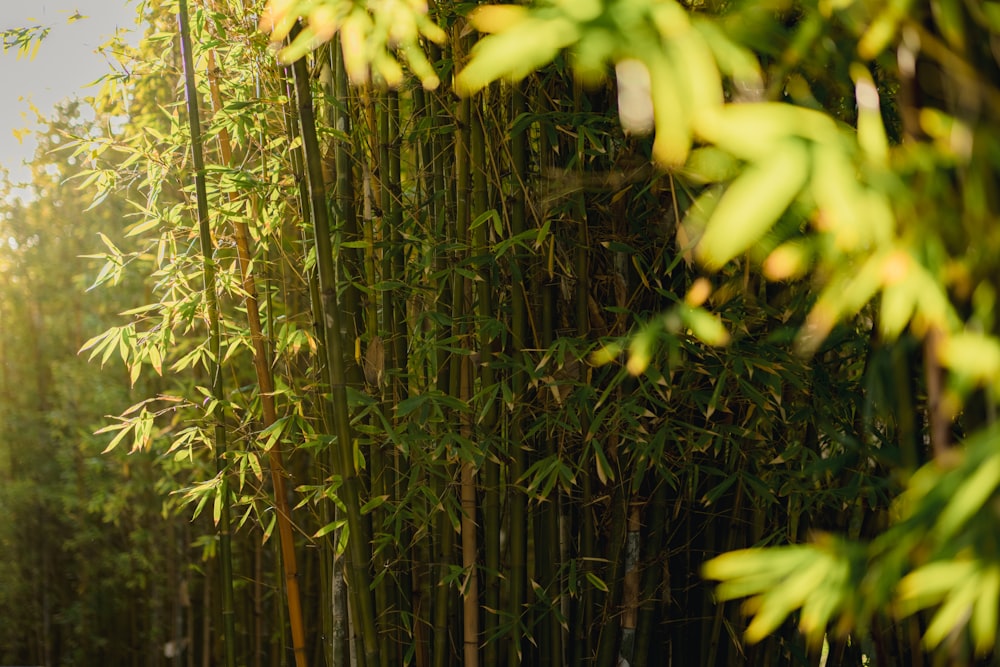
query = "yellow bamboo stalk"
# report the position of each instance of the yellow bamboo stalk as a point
(265, 383)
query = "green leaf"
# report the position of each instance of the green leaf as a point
(972, 354)
(373, 503)
(330, 527)
(969, 499)
(516, 52)
(985, 610)
(710, 164)
(596, 582)
(706, 326)
(753, 203)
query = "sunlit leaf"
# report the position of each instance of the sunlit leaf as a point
(969, 498)
(514, 54)
(971, 354)
(753, 203)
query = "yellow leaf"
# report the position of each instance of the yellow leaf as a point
(985, 611)
(497, 18)
(20, 134)
(971, 354)
(670, 115)
(514, 54)
(324, 21)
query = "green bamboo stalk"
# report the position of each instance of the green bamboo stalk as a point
(489, 414)
(212, 304)
(333, 610)
(589, 600)
(334, 319)
(399, 328)
(444, 542)
(547, 549)
(432, 167)
(462, 311)
(265, 383)
(651, 574)
(348, 260)
(607, 644)
(630, 592)
(382, 479)
(346, 214)
(470, 611)
(397, 366)
(399, 369)
(517, 502)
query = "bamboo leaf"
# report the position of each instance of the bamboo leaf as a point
(671, 115)
(985, 615)
(516, 52)
(969, 498)
(124, 430)
(373, 503)
(596, 582)
(753, 203)
(330, 527)
(604, 470)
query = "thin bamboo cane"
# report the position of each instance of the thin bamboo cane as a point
(547, 518)
(517, 501)
(399, 370)
(444, 542)
(630, 593)
(650, 575)
(450, 374)
(265, 383)
(212, 304)
(399, 328)
(334, 611)
(487, 384)
(607, 645)
(433, 161)
(350, 491)
(383, 477)
(470, 616)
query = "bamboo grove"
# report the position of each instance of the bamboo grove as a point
(420, 376)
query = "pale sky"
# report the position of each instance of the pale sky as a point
(65, 64)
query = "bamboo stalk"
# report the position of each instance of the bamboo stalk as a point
(547, 517)
(433, 163)
(470, 616)
(651, 575)
(517, 501)
(399, 369)
(382, 481)
(609, 636)
(336, 622)
(630, 593)
(212, 304)
(265, 384)
(350, 491)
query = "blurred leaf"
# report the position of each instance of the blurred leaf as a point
(705, 326)
(753, 203)
(516, 52)
(973, 355)
(969, 498)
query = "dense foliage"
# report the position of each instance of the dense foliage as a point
(434, 349)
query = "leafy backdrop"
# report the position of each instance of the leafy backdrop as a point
(493, 334)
